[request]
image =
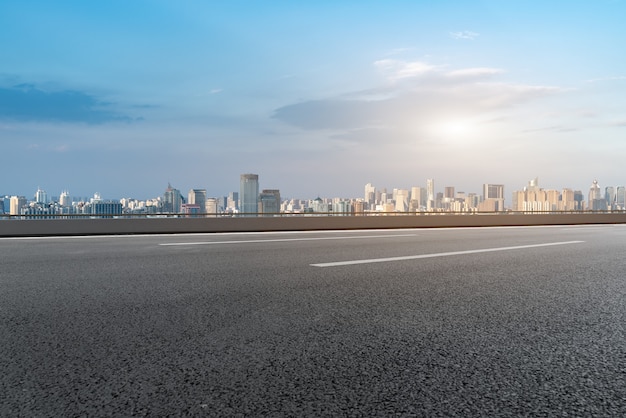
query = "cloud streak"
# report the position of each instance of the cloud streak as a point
(414, 95)
(464, 35)
(27, 103)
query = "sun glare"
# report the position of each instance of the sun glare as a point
(453, 130)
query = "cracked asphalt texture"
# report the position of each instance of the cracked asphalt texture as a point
(124, 326)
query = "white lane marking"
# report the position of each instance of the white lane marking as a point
(253, 241)
(414, 257)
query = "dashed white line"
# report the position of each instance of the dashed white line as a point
(415, 257)
(253, 241)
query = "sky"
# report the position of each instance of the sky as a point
(316, 97)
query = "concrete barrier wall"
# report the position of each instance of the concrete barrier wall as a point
(52, 227)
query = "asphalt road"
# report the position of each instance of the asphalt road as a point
(454, 322)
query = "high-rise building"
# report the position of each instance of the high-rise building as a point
(41, 196)
(211, 206)
(402, 200)
(197, 197)
(172, 200)
(430, 194)
(370, 195)
(609, 196)
(232, 202)
(596, 201)
(568, 201)
(269, 201)
(493, 191)
(620, 198)
(65, 200)
(249, 193)
(579, 198)
(17, 203)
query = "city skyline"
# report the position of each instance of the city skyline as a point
(124, 97)
(491, 197)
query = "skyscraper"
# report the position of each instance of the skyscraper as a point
(370, 195)
(172, 200)
(496, 191)
(493, 196)
(197, 197)
(269, 201)
(430, 194)
(249, 193)
(65, 199)
(620, 198)
(41, 196)
(596, 201)
(17, 203)
(402, 200)
(609, 196)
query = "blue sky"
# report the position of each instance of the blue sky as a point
(317, 97)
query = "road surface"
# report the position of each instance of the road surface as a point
(435, 322)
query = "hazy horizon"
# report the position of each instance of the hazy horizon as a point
(318, 98)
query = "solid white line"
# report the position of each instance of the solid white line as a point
(414, 257)
(253, 241)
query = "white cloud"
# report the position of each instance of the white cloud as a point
(395, 70)
(479, 72)
(466, 35)
(398, 51)
(418, 94)
(596, 80)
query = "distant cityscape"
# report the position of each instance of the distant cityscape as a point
(250, 201)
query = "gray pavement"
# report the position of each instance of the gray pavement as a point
(245, 325)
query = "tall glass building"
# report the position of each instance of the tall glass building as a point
(249, 193)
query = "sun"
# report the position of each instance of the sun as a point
(453, 130)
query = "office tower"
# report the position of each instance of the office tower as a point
(448, 192)
(596, 201)
(269, 201)
(430, 194)
(370, 195)
(17, 203)
(197, 197)
(41, 196)
(402, 200)
(172, 200)
(579, 198)
(568, 201)
(620, 198)
(609, 196)
(232, 202)
(249, 193)
(493, 191)
(65, 199)
(211, 206)
(414, 202)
